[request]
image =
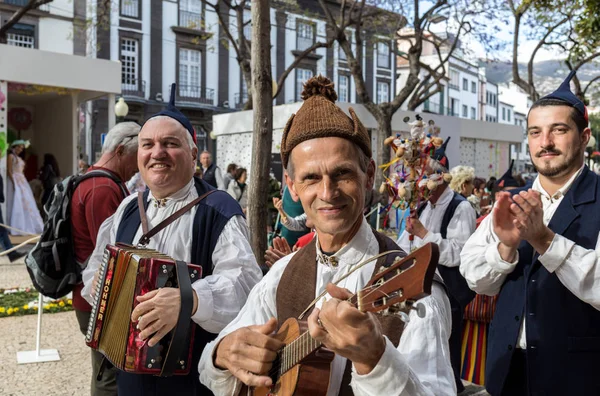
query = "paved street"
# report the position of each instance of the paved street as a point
(70, 375)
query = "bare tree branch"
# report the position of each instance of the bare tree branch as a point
(16, 17)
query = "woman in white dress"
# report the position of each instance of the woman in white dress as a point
(22, 210)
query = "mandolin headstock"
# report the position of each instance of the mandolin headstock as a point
(404, 282)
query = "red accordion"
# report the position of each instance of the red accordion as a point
(127, 272)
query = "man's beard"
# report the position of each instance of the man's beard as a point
(560, 168)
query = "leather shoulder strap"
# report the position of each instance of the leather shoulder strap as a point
(296, 289)
(180, 332)
(144, 239)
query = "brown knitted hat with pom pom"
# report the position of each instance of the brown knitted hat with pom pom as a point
(320, 117)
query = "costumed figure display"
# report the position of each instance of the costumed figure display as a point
(424, 153)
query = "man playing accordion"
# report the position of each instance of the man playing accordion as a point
(213, 234)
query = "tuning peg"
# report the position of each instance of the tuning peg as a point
(420, 308)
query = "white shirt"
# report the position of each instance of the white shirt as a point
(419, 366)
(235, 271)
(577, 268)
(461, 226)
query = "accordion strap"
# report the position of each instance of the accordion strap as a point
(144, 239)
(182, 328)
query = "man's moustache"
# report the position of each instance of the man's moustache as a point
(543, 152)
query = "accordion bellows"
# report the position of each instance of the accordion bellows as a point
(125, 273)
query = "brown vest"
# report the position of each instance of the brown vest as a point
(296, 290)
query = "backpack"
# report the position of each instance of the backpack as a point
(51, 263)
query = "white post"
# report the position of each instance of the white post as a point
(39, 355)
(378, 210)
(38, 337)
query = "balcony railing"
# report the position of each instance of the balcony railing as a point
(240, 99)
(436, 108)
(303, 43)
(136, 88)
(190, 20)
(23, 3)
(190, 93)
(454, 86)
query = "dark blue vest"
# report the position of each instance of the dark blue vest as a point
(211, 216)
(563, 332)
(458, 290)
(209, 176)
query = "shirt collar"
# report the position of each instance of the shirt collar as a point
(537, 186)
(175, 197)
(352, 252)
(444, 199)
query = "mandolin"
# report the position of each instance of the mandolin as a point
(302, 365)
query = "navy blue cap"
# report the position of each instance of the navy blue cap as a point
(440, 155)
(564, 93)
(174, 113)
(507, 179)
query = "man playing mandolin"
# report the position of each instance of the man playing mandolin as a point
(327, 156)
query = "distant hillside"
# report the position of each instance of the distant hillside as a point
(547, 74)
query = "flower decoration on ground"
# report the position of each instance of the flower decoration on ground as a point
(24, 300)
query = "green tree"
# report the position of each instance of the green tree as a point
(573, 26)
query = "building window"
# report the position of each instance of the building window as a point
(473, 113)
(494, 100)
(189, 73)
(201, 138)
(473, 87)
(190, 14)
(341, 53)
(383, 92)
(21, 35)
(302, 75)
(454, 103)
(508, 115)
(343, 91)
(503, 114)
(305, 35)
(465, 84)
(130, 8)
(129, 63)
(454, 79)
(383, 55)
(465, 112)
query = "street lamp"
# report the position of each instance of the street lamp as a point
(121, 109)
(437, 18)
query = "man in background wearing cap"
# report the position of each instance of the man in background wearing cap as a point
(448, 220)
(327, 156)
(538, 251)
(212, 234)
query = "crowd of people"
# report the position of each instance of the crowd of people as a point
(514, 297)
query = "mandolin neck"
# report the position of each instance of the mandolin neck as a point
(296, 351)
(301, 347)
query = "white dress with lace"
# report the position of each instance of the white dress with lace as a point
(22, 210)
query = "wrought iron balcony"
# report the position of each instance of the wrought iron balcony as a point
(191, 20)
(303, 43)
(23, 3)
(190, 93)
(240, 99)
(436, 108)
(135, 88)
